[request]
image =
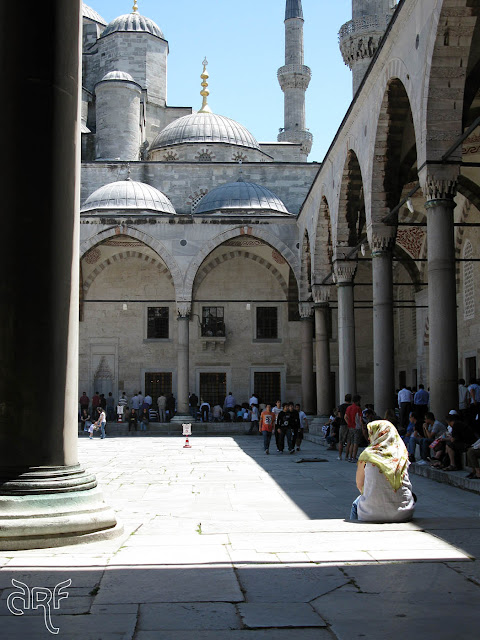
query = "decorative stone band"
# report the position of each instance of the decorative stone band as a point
(359, 47)
(439, 189)
(321, 294)
(293, 76)
(45, 480)
(305, 310)
(184, 309)
(344, 271)
(382, 241)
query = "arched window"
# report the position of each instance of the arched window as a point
(468, 283)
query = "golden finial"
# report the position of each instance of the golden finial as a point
(135, 8)
(205, 92)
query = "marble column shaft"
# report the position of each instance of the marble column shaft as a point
(383, 334)
(442, 307)
(183, 357)
(308, 398)
(322, 359)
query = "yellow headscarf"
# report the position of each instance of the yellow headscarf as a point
(386, 451)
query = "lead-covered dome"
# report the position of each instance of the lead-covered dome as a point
(117, 75)
(241, 197)
(128, 195)
(133, 22)
(91, 14)
(204, 127)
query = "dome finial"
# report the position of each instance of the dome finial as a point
(205, 92)
(134, 8)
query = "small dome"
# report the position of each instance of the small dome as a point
(130, 195)
(117, 75)
(91, 14)
(204, 127)
(241, 196)
(133, 22)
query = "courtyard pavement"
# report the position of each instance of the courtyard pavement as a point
(222, 542)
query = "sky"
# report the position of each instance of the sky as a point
(244, 43)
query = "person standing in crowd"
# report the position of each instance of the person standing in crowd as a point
(405, 400)
(463, 399)
(343, 430)
(133, 420)
(303, 424)
(140, 398)
(110, 407)
(101, 421)
(276, 410)
(353, 417)
(121, 406)
(162, 407)
(283, 424)
(474, 391)
(84, 402)
(193, 404)
(253, 400)
(382, 478)
(170, 406)
(144, 419)
(421, 401)
(147, 400)
(135, 403)
(229, 403)
(266, 427)
(293, 427)
(95, 403)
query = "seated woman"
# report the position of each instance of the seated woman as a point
(382, 478)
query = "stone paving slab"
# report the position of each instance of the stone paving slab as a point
(155, 617)
(271, 616)
(257, 634)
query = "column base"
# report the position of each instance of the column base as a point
(49, 507)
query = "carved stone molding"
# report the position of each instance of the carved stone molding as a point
(294, 76)
(344, 271)
(359, 47)
(382, 240)
(184, 309)
(439, 182)
(305, 310)
(321, 294)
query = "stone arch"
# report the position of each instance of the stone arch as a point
(147, 240)
(447, 63)
(246, 255)
(351, 210)
(395, 150)
(323, 253)
(211, 245)
(306, 275)
(125, 255)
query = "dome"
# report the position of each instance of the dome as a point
(91, 14)
(204, 127)
(133, 22)
(129, 195)
(241, 196)
(117, 75)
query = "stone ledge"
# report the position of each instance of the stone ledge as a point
(454, 478)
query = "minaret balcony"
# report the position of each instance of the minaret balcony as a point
(297, 136)
(294, 76)
(365, 24)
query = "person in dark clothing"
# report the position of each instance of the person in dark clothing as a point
(170, 407)
(283, 421)
(293, 427)
(193, 402)
(343, 429)
(461, 437)
(133, 420)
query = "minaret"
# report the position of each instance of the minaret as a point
(294, 79)
(359, 38)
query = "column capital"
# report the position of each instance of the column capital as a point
(382, 240)
(184, 309)
(439, 182)
(321, 294)
(305, 310)
(344, 271)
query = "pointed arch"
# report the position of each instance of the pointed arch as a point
(351, 211)
(306, 276)
(322, 255)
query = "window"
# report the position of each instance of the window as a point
(157, 323)
(158, 383)
(267, 386)
(213, 325)
(267, 323)
(213, 388)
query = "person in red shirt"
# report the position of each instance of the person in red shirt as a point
(353, 417)
(95, 403)
(266, 426)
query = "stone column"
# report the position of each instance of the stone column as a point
(344, 275)
(183, 358)
(306, 314)
(382, 243)
(442, 305)
(321, 297)
(46, 498)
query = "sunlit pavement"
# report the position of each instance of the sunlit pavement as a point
(223, 541)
